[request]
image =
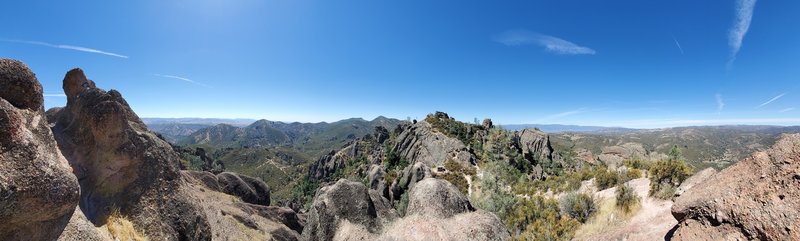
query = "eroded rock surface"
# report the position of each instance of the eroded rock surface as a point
(756, 198)
(436, 211)
(38, 192)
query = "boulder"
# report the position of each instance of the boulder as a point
(250, 190)
(408, 178)
(38, 192)
(345, 201)
(756, 198)
(437, 198)
(19, 86)
(535, 145)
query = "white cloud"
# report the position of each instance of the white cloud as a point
(720, 103)
(550, 43)
(787, 109)
(182, 78)
(54, 95)
(678, 44)
(63, 46)
(663, 123)
(770, 100)
(744, 15)
(563, 114)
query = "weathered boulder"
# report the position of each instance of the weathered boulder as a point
(421, 143)
(38, 192)
(437, 198)
(535, 145)
(346, 201)
(376, 179)
(249, 189)
(436, 211)
(695, 179)
(408, 178)
(614, 155)
(756, 198)
(80, 228)
(207, 179)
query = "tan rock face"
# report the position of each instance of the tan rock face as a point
(37, 189)
(757, 198)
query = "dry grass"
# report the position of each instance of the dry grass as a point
(122, 229)
(608, 217)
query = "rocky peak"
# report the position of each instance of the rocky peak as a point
(38, 192)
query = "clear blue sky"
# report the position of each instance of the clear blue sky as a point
(614, 63)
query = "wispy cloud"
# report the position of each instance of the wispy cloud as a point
(770, 100)
(720, 103)
(54, 95)
(550, 43)
(787, 109)
(744, 15)
(563, 114)
(64, 46)
(182, 78)
(661, 123)
(678, 44)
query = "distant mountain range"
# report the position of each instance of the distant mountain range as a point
(313, 139)
(557, 128)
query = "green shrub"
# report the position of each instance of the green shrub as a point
(402, 204)
(493, 196)
(539, 218)
(605, 178)
(579, 206)
(635, 162)
(626, 197)
(631, 174)
(666, 176)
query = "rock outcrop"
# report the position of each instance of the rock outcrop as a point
(436, 211)
(421, 143)
(249, 189)
(535, 145)
(121, 165)
(38, 193)
(350, 202)
(757, 198)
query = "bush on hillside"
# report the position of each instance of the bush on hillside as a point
(667, 175)
(605, 178)
(626, 198)
(539, 218)
(631, 174)
(579, 206)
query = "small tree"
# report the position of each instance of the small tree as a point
(667, 175)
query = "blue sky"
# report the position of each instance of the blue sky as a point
(612, 63)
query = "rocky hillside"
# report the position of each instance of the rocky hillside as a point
(757, 198)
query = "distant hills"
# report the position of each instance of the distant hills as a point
(314, 139)
(557, 128)
(703, 146)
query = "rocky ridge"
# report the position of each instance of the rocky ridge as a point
(756, 198)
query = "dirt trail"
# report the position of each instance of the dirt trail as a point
(651, 221)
